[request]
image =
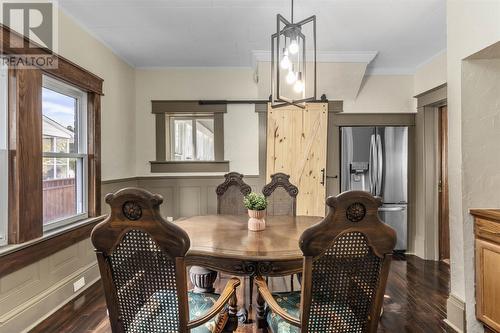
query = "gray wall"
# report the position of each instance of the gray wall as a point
(183, 196)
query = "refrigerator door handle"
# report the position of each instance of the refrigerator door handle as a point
(391, 209)
(380, 166)
(371, 165)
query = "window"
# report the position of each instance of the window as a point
(64, 143)
(3, 156)
(192, 138)
(189, 137)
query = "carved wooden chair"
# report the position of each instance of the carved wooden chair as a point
(346, 264)
(230, 194)
(281, 198)
(281, 195)
(141, 258)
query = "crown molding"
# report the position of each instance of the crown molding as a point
(365, 57)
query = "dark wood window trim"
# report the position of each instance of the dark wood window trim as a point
(163, 111)
(19, 256)
(66, 70)
(25, 149)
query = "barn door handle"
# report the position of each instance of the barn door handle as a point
(323, 176)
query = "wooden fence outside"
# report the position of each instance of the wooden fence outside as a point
(59, 198)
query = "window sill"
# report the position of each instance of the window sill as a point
(189, 166)
(17, 256)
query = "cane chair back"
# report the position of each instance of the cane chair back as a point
(346, 264)
(281, 195)
(141, 259)
(230, 194)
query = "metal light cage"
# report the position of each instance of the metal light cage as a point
(288, 30)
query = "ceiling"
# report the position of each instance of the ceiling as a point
(167, 33)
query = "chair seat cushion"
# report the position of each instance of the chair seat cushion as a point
(290, 302)
(199, 304)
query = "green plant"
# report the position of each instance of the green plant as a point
(255, 201)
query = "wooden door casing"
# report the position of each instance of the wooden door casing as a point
(297, 146)
(444, 227)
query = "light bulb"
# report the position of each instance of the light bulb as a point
(291, 77)
(293, 47)
(285, 62)
(298, 87)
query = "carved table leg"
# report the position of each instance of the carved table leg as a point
(260, 312)
(250, 287)
(242, 315)
(232, 322)
(203, 279)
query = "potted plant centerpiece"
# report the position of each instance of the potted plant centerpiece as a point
(256, 205)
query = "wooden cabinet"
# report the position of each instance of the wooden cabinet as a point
(487, 243)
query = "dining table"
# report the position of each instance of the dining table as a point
(223, 243)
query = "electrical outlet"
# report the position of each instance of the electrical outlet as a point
(170, 219)
(78, 284)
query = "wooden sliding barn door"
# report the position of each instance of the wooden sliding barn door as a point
(296, 145)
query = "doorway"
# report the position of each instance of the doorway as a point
(444, 223)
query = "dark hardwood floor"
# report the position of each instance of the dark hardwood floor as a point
(415, 302)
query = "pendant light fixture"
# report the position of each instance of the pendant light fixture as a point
(290, 59)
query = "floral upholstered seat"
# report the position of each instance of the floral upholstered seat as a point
(199, 304)
(290, 302)
(346, 264)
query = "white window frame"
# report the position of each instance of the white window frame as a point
(81, 178)
(193, 136)
(4, 153)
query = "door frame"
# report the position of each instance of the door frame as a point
(443, 206)
(427, 145)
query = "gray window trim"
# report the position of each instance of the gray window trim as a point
(189, 166)
(164, 111)
(186, 107)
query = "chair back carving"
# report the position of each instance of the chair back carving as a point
(281, 195)
(346, 264)
(230, 194)
(141, 260)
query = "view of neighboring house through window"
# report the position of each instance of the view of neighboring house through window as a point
(64, 153)
(3, 156)
(192, 138)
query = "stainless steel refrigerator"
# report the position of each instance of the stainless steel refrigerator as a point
(375, 159)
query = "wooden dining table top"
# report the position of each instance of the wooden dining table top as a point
(227, 236)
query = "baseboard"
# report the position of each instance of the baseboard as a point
(455, 309)
(28, 315)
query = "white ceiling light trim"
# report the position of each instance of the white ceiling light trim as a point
(325, 56)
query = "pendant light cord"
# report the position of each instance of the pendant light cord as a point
(292, 11)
